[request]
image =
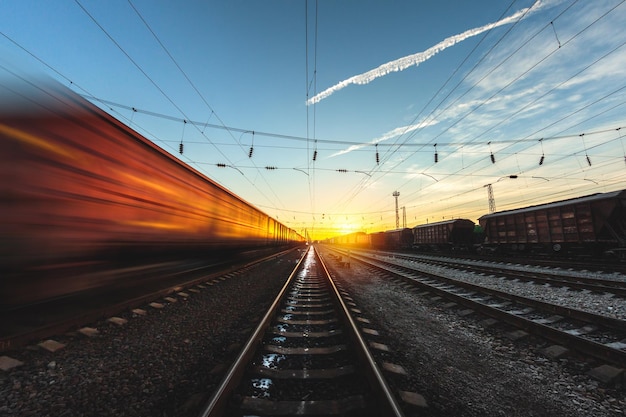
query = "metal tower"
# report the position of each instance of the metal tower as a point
(396, 194)
(492, 201)
(403, 216)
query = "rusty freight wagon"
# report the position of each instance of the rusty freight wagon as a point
(593, 225)
(447, 235)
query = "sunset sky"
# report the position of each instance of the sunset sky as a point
(317, 112)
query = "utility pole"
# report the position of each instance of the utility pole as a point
(492, 201)
(403, 216)
(396, 194)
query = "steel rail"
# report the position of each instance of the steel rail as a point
(218, 401)
(373, 372)
(387, 405)
(586, 346)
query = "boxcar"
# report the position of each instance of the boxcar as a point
(448, 235)
(378, 240)
(398, 239)
(592, 225)
(357, 239)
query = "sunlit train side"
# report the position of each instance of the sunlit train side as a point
(593, 225)
(78, 185)
(357, 240)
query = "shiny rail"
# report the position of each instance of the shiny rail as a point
(569, 327)
(329, 368)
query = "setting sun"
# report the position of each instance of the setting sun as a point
(345, 228)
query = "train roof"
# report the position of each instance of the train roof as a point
(443, 222)
(397, 230)
(592, 197)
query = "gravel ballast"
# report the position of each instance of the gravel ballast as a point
(464, 369)
(159, 364)
(598, 303)
(166, 362)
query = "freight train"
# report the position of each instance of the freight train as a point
(77, 186)
(448, 235)
(592, 225)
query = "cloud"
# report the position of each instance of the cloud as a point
(398, 131)
(414, 60)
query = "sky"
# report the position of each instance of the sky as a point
(317, 112)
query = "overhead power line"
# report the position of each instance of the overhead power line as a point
(325, 141)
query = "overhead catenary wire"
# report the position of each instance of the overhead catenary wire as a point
(432, 113)
(311, 161)
(388, 155)
(446, 146)
(194, 88)
(330, 141)
(481, 103)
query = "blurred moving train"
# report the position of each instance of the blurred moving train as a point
(77, 185)
(593, 226)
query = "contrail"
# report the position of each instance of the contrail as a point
(415, 59)
(386, 136)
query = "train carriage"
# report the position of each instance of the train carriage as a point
(80, 186)
(398, 239)
(378, 240)
(447, 235)
(591, 225)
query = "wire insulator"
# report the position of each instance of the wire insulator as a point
(314, 155)
(180, 148)
(377, 156)
(436, 157)
(541, 160)
(221, 165)
(588, 160)
(493, 158)
(250, 153)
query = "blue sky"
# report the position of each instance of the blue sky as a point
(516, 79)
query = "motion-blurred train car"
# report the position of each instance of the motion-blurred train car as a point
(447, 235)
(77, 185)
(593, 225)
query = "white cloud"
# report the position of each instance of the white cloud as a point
(398, 131)
(414, 60)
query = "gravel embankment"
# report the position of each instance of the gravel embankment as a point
(162, 364)
(159, 364)
(464, 369)
(604, 304)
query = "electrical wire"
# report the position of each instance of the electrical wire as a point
(199, 94)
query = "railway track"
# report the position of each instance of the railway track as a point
(591, 334)
(22, 324)
(306, 357)
(598, 285)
